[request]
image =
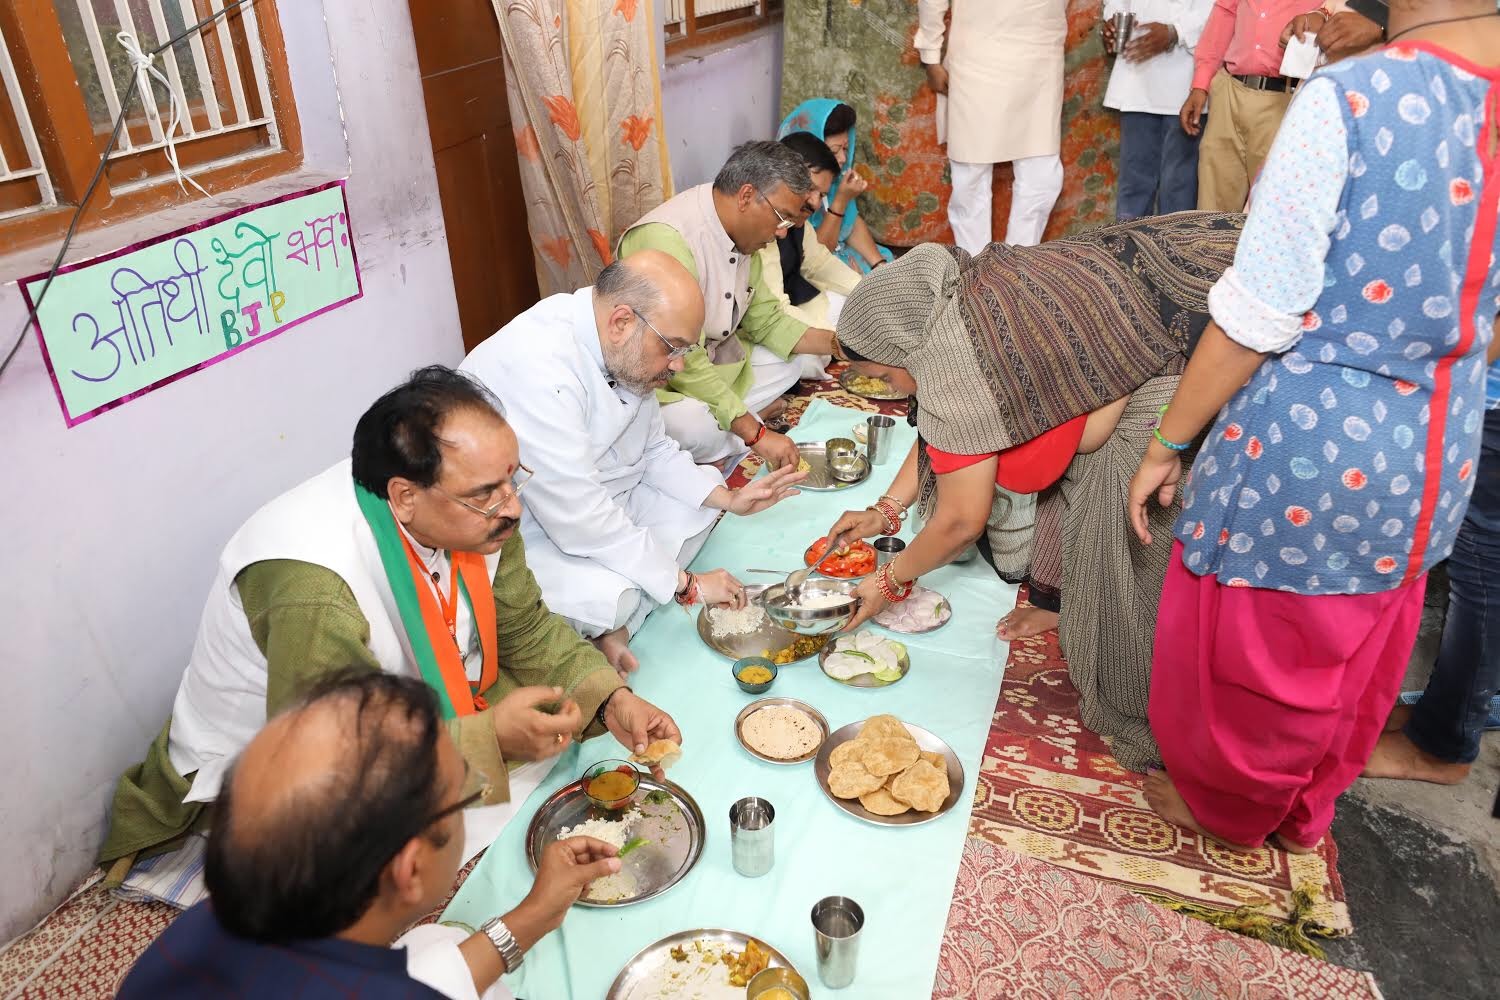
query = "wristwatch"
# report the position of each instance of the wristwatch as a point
(504, 942)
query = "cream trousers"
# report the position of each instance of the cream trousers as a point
(1038, 182)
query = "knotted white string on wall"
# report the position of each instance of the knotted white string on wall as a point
(145, 67)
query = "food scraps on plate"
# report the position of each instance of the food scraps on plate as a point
(887, 771)
(870, 385)
(855, 559)
(711, 963)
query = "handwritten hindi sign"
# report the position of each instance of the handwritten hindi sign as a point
(117, 326)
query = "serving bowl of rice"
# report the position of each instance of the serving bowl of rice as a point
(822, 605)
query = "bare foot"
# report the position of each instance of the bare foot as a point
(1396, 756)
(1291, 846)
(1398, 718)
(616, 649)
(1164, 799)
(774, 409)
(1023, 623)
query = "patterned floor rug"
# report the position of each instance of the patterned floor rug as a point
(1051, 789)
(1021, 929)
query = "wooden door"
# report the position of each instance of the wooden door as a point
(479, 182)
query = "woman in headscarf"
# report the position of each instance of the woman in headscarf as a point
(1030, 363)
(837, 223)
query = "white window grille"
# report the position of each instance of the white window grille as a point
(218, 74)
(20, 162)
(705, 7)
(677, 9)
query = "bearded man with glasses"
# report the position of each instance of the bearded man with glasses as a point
(752, 349)
(404, 559)
(617, 510)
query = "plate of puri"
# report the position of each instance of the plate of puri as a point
(889, 772)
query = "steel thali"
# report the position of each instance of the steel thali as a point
(671, 824)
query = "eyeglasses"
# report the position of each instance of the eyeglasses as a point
(782, 222)
(673, 352)
(508, 492)
(476, 785)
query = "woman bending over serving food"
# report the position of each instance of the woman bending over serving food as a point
(1346, 366)
(1029, 364)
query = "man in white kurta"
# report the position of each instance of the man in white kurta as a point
(1003, 82)
(616, 509)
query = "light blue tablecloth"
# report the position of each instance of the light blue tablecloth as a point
(902, 876)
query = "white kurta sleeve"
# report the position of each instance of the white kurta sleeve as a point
(433, 959)
(823, 268)
(565, 496)
(930, 30)
(672, 471)
(1190, 21)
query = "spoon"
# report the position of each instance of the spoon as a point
(797, 578)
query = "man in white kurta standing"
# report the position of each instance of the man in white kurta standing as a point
(616, 510)
(1003, 80)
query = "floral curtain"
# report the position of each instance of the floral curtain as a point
(585, 103)
(860, 52)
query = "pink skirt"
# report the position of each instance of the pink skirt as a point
(1266, 705)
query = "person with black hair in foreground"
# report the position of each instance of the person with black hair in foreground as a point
(808, 279)
(340, 826)
(402, 559)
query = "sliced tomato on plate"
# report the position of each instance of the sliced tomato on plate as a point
(858, 559)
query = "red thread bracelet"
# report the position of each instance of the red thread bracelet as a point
(758, 435)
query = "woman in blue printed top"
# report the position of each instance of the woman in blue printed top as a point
(1346, 364)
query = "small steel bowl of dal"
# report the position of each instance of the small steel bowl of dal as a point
(754, 674)
(611, 784)
(777, 984)
(823, 605)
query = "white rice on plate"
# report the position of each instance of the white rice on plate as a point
(729, 622)
(614, 832)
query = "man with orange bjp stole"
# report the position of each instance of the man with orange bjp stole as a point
(402, 558)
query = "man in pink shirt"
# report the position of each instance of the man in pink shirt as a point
(1237, 71)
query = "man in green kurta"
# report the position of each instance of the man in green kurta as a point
(403, 558)
(752, 349)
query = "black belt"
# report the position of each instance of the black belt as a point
(1280, 84)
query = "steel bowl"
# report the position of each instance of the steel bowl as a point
(812, 621)
(769, 979)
